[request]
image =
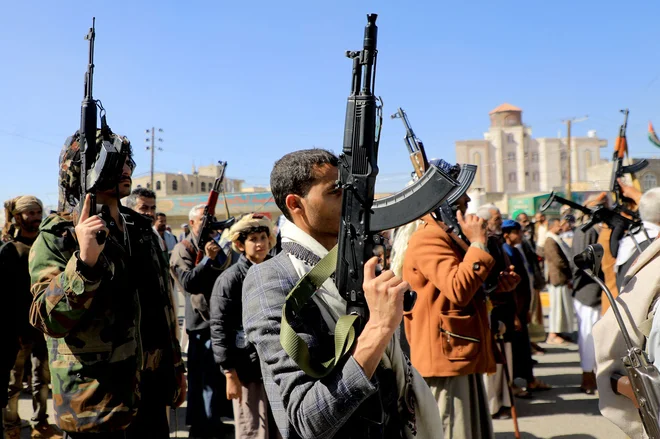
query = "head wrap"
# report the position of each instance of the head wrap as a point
(16, 206)
(250, 221)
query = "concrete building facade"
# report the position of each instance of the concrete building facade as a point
(510, 160)
(200, 181)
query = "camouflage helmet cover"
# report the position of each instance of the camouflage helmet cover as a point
(71, 164)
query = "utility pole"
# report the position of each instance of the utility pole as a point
(569, 122)
(153, 139)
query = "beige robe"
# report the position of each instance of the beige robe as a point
(641, 285)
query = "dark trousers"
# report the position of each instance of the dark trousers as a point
(207, 395)
(36, 356)
(151, 418)
(522, 354)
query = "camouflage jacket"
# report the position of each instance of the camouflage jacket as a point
(92, 320)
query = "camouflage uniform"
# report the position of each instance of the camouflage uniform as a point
(91, 316)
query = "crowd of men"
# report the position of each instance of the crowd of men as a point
(97, 318)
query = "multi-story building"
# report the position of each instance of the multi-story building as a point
(510, 160)
(599, 176)
(199, 182)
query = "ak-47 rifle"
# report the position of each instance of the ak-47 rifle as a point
(619, 170)
(362, 217)
(101, 167)
(414, 144)
(643, 384)
(447, 210)
(209, 223)
(601, 214)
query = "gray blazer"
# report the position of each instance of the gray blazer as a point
(303, 407)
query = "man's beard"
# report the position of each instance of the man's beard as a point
(30, 227)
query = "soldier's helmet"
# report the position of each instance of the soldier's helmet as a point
(71, 164)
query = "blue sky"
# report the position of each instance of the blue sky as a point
(248, 82)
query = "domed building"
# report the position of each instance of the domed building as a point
(510, 160)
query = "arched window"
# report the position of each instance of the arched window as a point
(148, 185)
(511, 156)
(192, 185)
(203, 187)
(139, 185)
(588, 158)
(512, 177)
(158, 185)
(175, 185)
(535, 176)
(476, 160)
(563, 156)
(649, 181)
(509, 138)
(535, 157)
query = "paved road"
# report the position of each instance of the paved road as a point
(563, 412)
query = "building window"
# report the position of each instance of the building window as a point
(511, 156)
(512, 177)
(509, 138)
(588, 158)
(139, 185)
(476, 160)
(535, 157)
(175, 185)
(192, 185)
(158, 185)
(535, 176)
(564, 175)
(511, 121)
(563, 156)
(649, 181)
(203, 187)
(148, 185)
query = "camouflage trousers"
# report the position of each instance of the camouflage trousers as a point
(36, 356)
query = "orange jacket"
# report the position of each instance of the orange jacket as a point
(448, 329)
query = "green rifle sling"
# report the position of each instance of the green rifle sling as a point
(292, 343)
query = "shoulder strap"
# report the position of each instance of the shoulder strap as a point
(189, 247)
(301, 293)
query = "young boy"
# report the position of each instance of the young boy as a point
(252, 237)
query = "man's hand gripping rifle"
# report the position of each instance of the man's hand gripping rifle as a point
(209, 222)
(642, 385)
(102, 168)
(447, 210)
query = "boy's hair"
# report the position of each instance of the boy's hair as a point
(295, 174)
(243, 235)
(250, 223)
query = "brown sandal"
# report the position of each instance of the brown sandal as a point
(538, 386)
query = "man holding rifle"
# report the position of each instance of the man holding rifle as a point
(365, 386)
(88, 303)
(206, 387)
